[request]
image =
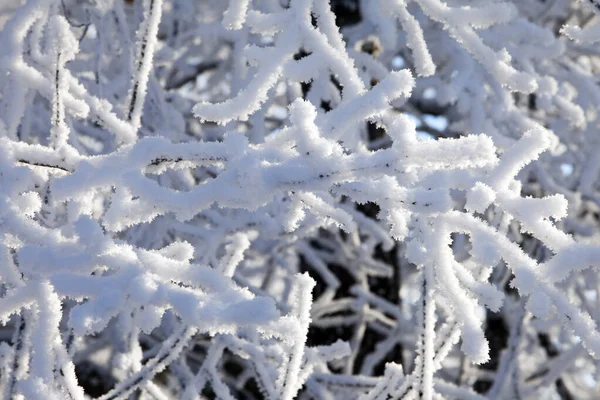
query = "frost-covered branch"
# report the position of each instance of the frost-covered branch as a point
(307, 199)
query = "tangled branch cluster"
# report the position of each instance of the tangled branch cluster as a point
(265, 199)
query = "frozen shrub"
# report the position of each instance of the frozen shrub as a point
(366, 199)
